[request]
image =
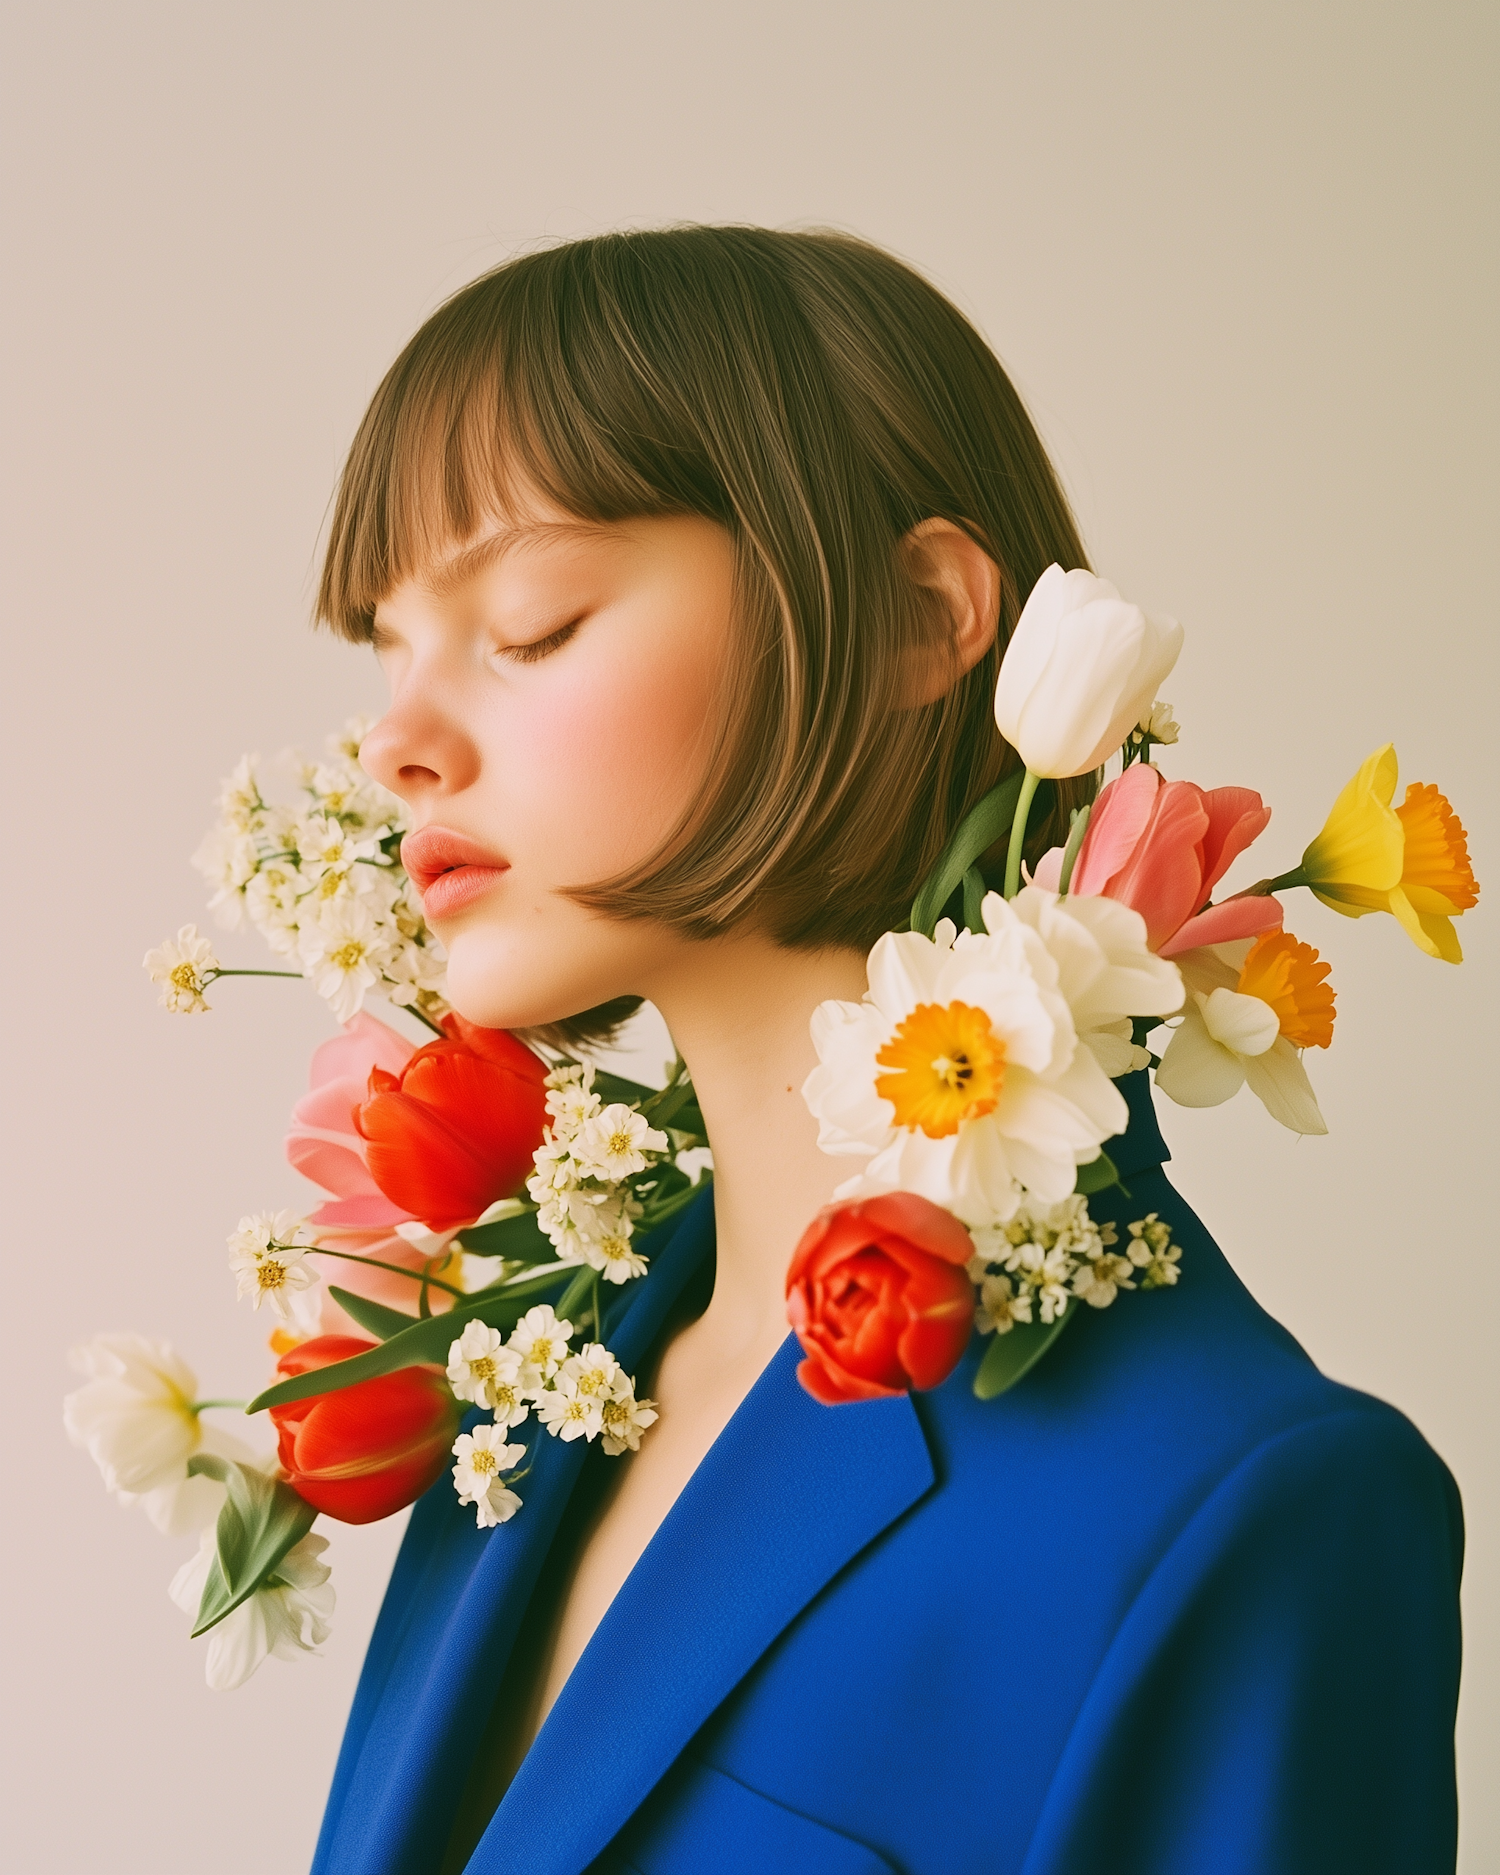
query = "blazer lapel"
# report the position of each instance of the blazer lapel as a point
(438, 1657)
(790, 1492)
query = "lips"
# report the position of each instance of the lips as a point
(448, 869)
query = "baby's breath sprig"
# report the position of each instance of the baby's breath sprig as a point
(1030, 1269)
(321, 879)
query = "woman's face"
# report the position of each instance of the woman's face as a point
(554, 690)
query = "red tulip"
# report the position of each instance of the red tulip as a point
(456, 1128)
(368, 1450)
(880, 1299)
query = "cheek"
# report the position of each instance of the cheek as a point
(603, 765)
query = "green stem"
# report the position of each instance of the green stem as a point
(1018, 834)
(216, 973)
(436, 1027)
(396, 1269)
(202, 1406)
(1263, 888)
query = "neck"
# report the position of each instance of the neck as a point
(738, 1009)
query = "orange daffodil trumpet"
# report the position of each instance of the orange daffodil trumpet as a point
(1411, 861)
(975, 1081)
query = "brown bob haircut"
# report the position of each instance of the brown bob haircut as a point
(815, 397)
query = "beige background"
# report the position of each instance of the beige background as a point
(1240, 259)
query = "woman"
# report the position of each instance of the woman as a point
(690, 557)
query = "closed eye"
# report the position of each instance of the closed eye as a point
(539, 648)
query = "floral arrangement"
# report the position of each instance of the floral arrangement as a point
(975, 1083)
(486, 1200)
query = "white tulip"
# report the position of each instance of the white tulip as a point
(287, 1616)
(135, 1419)
(1081, 670)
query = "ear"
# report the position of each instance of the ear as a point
(964, 583)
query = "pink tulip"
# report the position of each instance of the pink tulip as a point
(324, 1144)
(1161, 847)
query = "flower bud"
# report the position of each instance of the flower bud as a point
(1081, 670)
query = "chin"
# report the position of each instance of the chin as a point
(500, 984)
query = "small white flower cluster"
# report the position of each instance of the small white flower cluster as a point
(579, 1186)
(268, 1254)
(583, 1395)
(1049, 1253)
(322, 881)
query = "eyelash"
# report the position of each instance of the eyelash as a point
(539, 648)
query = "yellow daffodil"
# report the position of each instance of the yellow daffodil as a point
(1411, 861)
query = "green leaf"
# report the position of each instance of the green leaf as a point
(518, 1239)
(1078, 826)
(614, 1087)
(374, 1317)
(981, 827)
(419, 1345)
(669, 1103)
(974, 891)
(261, 1519)
(1098, 1175)
(1011, 1357)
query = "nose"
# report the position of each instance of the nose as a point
(419, 749)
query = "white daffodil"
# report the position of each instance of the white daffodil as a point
(625, 1418)
(483, 1456)
(183, 966)
(568, 1414)
(1104, 969)
(1226, 1039)
(343, 953)
(482, 1369)
(135, 1419)
(1079, 672)
(965, 1074)
(1000, 1307)
(541, 1341)
(614, 1143)
(287, 1616)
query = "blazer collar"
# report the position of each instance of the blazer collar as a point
(440, 1653)
(789, 1493)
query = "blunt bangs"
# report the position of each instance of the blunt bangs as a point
(816, 398)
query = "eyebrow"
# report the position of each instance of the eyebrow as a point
(448, 575)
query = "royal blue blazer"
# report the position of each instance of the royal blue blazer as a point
(1176, 1605)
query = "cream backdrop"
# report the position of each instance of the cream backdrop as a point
(1240, 260)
